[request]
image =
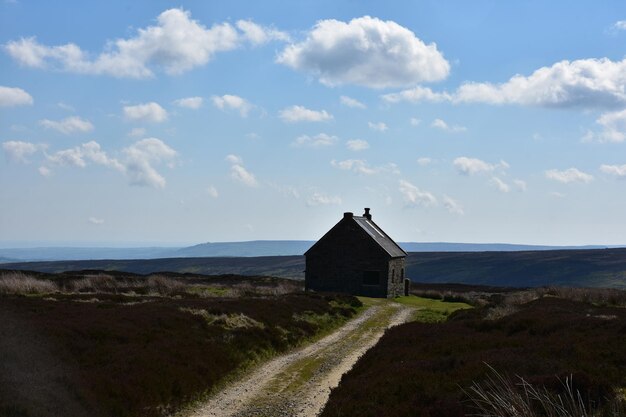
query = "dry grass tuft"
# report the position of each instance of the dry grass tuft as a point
(20, 283)
(500, 396)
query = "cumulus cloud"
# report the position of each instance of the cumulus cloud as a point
(68, 125)
(357, 144)
(424, 161)
(258, 35)
(520, 185)
(351, 102)
(44, 171)
(580, 83)
(414, 121)
(417, 94)
(472, 166)
(360, 166)
(19, 151)
(140, 158)
(189, 102)
(616, 170)
(569, 175)
(380, 126)
(232, 102)
(365, 51)
(95, 220)
(619, 25)
(212, 191)
(136, 161)
(452, 205)
(175, 44)
(415, 197)
(147, 112)
(613, 128)
(137, 132)
(295, 114)
(500, 185)
(320, 199)
(13, 96)
(587, 83)
(239, 173)
(442, 125)
(317, 141)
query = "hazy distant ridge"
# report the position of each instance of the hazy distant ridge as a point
(241, 249)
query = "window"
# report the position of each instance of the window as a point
(402, 274)
(393, 275)
(371, 278)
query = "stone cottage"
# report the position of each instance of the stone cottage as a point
(356, 257)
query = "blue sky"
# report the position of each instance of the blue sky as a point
(194, 121)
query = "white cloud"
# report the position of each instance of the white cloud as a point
(13, 96)
(137, 132)
(19, 151)
(361, 166)
(233, 102)
(95, 220)
(140, 158)
(500, 185)
(588, 83)
(80, 156)
(616, 170)
(239, 173)
(415, 121)
(68, 125)
(520, 185)
(569, 175)
(380, 126)
(147, 112)
(472, 166)
(415, 197)
(440, 124)
(295, 114)
(452, 205)
(44, 171)
(175, 44)
(580, 83)
(319, 199)
(212, 191)
(234, 159)
(189, 102)
(317, 141)
(556, 194)
(619, 25)
(351, 102)
(613, 128)
(258, 35)
(424, 161)
(365, 51)
(357, 144)
(417, 94)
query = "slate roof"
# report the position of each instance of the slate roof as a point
(383, 240)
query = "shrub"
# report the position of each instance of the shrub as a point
(20, 283)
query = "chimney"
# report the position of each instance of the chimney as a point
(367, 214)
(347, 215)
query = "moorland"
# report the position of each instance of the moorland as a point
(573, 268)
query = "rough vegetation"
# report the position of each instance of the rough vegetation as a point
(545, 336)
(110, 344)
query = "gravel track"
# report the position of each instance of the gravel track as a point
(298, 384)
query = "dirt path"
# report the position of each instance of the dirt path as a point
(298, 384)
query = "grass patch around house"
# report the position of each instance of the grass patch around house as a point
(429, 310)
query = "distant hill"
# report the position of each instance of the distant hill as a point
(240, 249)
(577, 268)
